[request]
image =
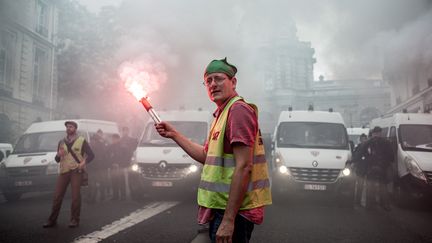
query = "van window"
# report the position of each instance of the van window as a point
(38, 142)
(195, 131)
(416, 137)
(312, 135)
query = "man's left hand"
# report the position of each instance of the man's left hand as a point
(82, 165)
(225, 232)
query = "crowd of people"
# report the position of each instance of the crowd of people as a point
(108, 170)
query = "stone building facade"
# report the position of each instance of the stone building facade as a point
(28, 76)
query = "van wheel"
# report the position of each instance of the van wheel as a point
(11, 196)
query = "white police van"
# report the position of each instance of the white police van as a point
(312, 153)
(31, 166)
(159, 163)
(411, 138)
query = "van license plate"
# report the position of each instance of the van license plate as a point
(23, 183)
(162, 183)
(315, 187)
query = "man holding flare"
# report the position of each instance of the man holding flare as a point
(234, 186)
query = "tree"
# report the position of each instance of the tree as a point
(86, 45)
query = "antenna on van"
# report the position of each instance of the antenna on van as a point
(289, 110)
(330, 109)
(310, 108)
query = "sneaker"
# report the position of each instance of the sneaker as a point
(49, 224)
(73, 224)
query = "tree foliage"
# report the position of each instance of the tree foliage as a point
(85, 53)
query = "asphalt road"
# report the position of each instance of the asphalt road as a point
(172, 218)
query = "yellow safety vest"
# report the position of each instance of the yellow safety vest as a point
(68, 162)
(216, 177)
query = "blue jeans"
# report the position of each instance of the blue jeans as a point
(242, 227)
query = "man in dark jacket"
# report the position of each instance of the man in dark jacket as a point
(360, 165)
(118, 156)
(380, 157)
(128, 143)
(98, 171)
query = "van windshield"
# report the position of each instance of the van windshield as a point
(416, 137)
(195, 131)
(312, 135)
(38, 142)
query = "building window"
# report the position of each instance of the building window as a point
(42, 18)
(2, 65)
(39, 74)
(7, 59)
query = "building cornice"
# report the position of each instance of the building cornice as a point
(17, 26)
(410, 101)
(24, 103)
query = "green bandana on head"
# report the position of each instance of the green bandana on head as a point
(221, 66)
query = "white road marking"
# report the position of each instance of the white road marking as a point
(134, 218)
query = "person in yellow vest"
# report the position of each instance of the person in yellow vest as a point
(73, 153)
(234, 186)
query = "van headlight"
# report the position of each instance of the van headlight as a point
(278, 160)
(193, 168)
(135, 168)
(346, 172)
(52, 168)
(414, 169)
(283, 169)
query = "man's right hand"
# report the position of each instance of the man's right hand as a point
(165, 129)
(61, 152)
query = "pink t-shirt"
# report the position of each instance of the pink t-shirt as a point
(242, 127)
